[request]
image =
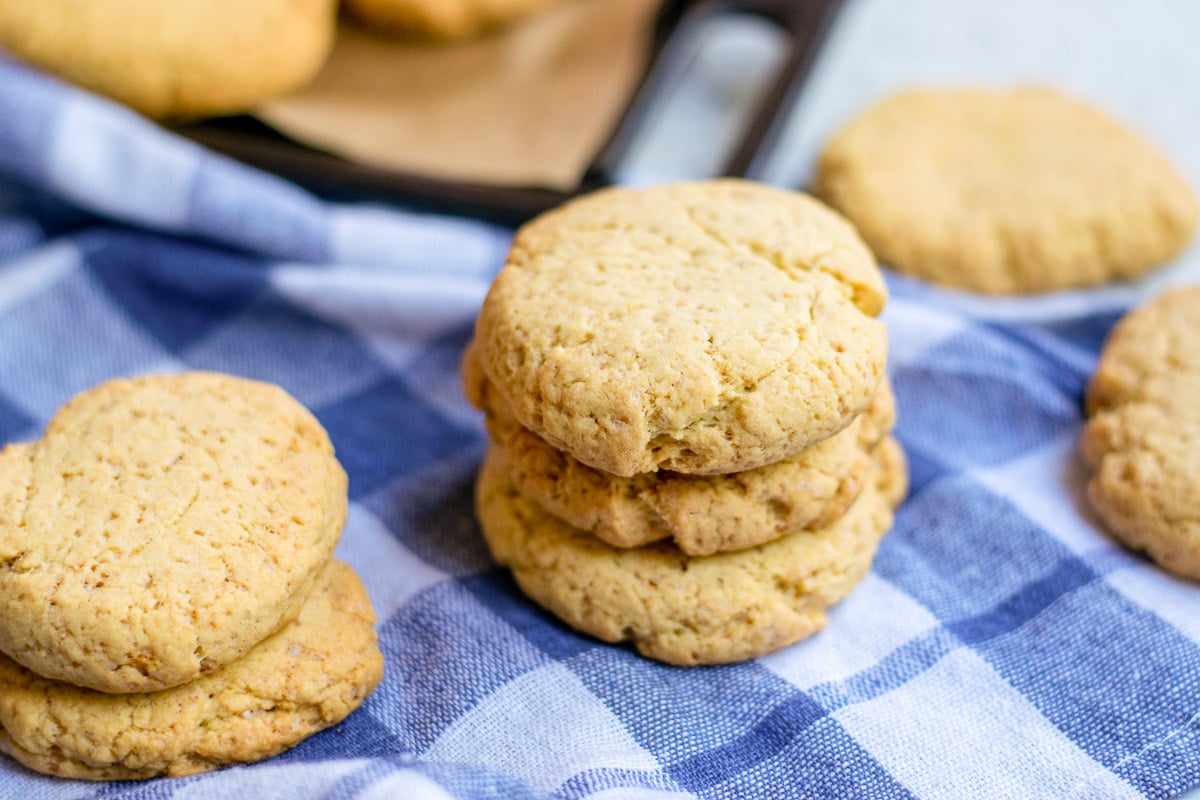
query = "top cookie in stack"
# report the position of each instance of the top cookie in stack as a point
(684, 389)
(696, 327)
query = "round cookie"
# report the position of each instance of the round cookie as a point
(446, 20)
(1143, 438)
(175, 59)
(701, 327)
(1005, 192)
(708, 610)
(702, 514)
(161, 528)
(305, 678)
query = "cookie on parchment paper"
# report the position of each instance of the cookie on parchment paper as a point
(306, 677)
(704, 327)
(686, 610)
(1143, 438)
(161, 528)
(702, 514)
(1005, 191)
(180, 58)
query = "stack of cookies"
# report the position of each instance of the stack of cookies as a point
(689, 420)
(168, 598)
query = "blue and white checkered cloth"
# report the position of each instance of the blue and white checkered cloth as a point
(1002, 646)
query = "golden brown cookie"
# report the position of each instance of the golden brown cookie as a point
(687, 610)
(305, 678)
(703, 514)
(179, 58)
(447, 20)
(1005, 192)
(161, 528)
(698, 327)
(1143, 438)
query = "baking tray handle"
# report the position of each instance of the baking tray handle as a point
(805, 25)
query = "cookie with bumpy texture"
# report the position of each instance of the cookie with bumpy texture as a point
(1005, 191)
(161, 528)
(702, 514)
(445, 20)
(688, 610)
(1143, 439)
(308, 676)
(183, 58)
(700, 327)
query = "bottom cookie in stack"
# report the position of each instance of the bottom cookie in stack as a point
(306, 677)
(681, 609)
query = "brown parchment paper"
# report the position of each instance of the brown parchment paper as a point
(530, 105)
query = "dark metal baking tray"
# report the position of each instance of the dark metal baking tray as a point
(804, 24)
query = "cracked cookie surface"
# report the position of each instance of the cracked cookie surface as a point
(698, 327)
(306, 677)
(161, 528)
(1005, 191)
(686, 610)
(702, 514)
(1144, 433)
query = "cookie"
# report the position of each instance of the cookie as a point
(1005, 192)
(183, 58)
(303, 679)
(684, 610)
(445, 20)
(1143, 439)
(702, 327)
(702, 514)
(161, 528)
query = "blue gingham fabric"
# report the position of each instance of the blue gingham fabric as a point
(1001, 647)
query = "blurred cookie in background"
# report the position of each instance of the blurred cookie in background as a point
(1005, 191)
(441, 20)
(186, 58)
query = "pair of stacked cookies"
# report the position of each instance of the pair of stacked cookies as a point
(168, 598)
(689, 420)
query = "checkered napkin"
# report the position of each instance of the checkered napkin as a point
(1002, 646)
